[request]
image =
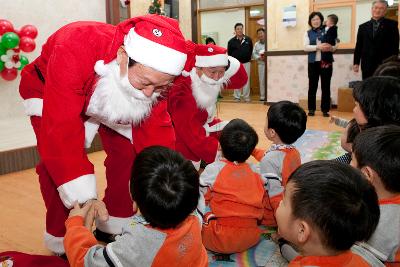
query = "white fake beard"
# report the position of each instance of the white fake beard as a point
(205, 90)
(115, 100)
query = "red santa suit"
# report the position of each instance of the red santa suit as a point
(192, 101)
(69, 100)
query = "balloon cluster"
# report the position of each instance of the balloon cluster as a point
(12, 41)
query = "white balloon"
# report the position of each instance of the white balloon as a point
(9, 65)
(18, 64)
(10, 52)
(4, 58)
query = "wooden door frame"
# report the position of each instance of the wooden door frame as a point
(196, 30)
(112, 11)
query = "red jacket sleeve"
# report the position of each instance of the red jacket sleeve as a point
(77, 241)
(62, 134)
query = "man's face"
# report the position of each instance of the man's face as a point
(261, 36)
(239, 31)
(214, 73)
(143, 78)
(148, 80)
(378, 10)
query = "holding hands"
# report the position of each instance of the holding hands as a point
(91, 210)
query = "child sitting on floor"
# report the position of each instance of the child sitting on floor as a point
(165, 188)
(376, 153)
(286, 122)
(234, 193)
(327, 207)
(377, 102)
(347, 138)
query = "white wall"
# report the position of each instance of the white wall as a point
(288, 80)
(47, 16)
(281, 38)
(363, 13)
(222, 22)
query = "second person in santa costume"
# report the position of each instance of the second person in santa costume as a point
(193, 96)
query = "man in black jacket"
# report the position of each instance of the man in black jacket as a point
(377, 40)
(241, 48)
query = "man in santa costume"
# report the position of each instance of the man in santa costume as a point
(192, 100)
(95, 77)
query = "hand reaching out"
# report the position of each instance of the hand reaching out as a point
(91, 210)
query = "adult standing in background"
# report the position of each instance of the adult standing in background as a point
(258, 54)
(313, 45)
(377, 40)
(241, 48)
(210, 40)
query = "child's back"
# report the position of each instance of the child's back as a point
(165, 232)
(235, 193)
(286, 122)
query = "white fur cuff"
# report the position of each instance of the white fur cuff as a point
(33, 106)
(80, 189)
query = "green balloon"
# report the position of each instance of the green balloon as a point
(1, 65)
(9, 40)
(3, 50)
(23, 59)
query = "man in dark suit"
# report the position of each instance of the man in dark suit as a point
(377, 40)
(241, 48)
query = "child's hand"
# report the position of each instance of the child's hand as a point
(332, 119)
(77, 210)
(97, 210)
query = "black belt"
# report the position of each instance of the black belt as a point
(39, 73)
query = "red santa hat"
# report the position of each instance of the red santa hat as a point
(211, 56)
(152, 40)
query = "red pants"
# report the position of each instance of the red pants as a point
(120, 155)
(230, 235)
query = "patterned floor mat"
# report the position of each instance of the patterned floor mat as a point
(316, 144)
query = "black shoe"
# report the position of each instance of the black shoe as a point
(325, 114)
(104, 237)
(311, 113)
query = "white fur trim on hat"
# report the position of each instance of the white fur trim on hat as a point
(80, 189)
(212, 61)
(100, 68)
(233, 67)
(154, 55)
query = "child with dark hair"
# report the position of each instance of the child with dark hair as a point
(347, 138)
(377, 102)
(327, 207)
(286, 122)
(330, 36)
(164, 232)
(210, 40)
(376, 154)
(234, 193)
